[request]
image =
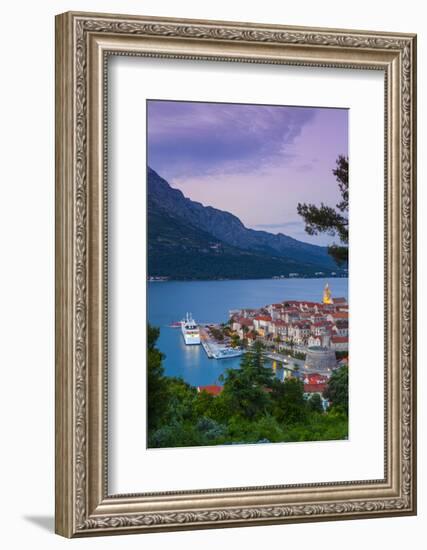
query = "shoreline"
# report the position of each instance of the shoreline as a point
(244, 279)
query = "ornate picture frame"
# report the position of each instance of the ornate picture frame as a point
(84, 42)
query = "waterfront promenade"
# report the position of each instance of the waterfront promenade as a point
(214, 349)
(209, 302)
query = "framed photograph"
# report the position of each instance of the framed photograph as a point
(235, 274)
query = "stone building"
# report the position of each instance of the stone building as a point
(320, 358)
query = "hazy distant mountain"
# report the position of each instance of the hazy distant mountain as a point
(189, 240)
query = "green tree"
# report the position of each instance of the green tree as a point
(329, 220)
(245, 390)
(337, 389)
(204, 404)
(157, 384)
(262, 374)
(235, 340)
(289, 403)
(315, 403)
(254, 407)
(181, 400)
(210, 430)
(217, 333)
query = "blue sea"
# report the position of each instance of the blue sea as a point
(210, 302)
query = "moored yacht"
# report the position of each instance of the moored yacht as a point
(190, 330)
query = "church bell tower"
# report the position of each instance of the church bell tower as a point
(327, 296)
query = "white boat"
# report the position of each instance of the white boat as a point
(190, 330)
(227, 353)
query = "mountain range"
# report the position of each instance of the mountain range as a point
(187, 240)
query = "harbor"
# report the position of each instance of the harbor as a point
(209, 302)
(207, 335)
(214, 349)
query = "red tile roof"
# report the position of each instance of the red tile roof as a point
(339, 339)
(314, 388)
(316, 378)
(262, 318)
(212, 389)
(243, 321)
(340, 315)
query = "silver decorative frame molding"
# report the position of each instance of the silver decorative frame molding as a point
(83, 43)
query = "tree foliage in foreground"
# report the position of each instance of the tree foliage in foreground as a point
(157, 383)
(254, 406)
(329, 220)
(337, 390)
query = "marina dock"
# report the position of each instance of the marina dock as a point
(214, 350)
(207, 348)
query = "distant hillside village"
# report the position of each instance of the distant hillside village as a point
(296, 324)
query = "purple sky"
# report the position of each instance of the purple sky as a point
(254, 161)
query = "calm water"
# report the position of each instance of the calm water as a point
(210, 301)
